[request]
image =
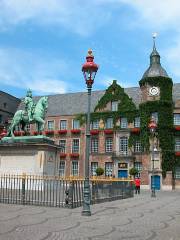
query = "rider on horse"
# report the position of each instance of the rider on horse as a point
(29, 105)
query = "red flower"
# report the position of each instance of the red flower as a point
(63, 155)
(49, 132)
(135, 130)
(108, 131)
(19, 133)
(63, 131)
(74, 155)
(177, 128)
(94, 132)
(75, 131)
(35, 133)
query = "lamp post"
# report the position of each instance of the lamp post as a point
(89, 70)
(152, 127)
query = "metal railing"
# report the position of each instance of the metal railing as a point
(57, 192)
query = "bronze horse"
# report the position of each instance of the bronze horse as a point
(21, 117)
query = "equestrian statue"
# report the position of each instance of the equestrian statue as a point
(33, 113)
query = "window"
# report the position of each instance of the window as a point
(137, 122)
(109, 123)
(124, 123)
(27, 128)
(75, 146)
(123, 145)
(176, 118)
(108, 169)
(62, 143)
(177, 173)
(138, 166)
(137, 146)
(61, 168)
(50, 125)
(63, 124)
(94, 145)
(0, 118)
(177, 144)
(108, 145)
(76, 124)
(155, 116)
(114, 106)
(95, 124)
(75, 168)
(94, 166)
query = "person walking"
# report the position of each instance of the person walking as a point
(137, 182)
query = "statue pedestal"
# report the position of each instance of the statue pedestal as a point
(31, 155)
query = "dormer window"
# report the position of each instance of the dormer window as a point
(114, 106)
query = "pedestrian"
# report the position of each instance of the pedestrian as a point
(137, 182)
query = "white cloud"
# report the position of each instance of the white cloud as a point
(76, 15)
(25, 70)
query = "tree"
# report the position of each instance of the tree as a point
(99, 171)
(133, 171)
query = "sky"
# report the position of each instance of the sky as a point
(43, 43)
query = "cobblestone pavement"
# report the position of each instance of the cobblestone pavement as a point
(138, 218)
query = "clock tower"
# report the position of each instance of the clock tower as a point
(151, 90)
(157, 104)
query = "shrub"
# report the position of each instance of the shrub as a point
(133, 171)
(99, 171)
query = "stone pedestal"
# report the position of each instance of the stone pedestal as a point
(31, 155)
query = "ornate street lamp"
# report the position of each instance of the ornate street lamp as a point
(89, 70)
(152, 127)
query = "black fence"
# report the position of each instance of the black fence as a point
(58, 192)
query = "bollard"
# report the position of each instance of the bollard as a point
(23, 188)
(67, 197)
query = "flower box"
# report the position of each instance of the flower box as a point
(177, 154)
(177, 128)
(108, 131)
(49, 132)
(3, 133)
(94, 132)
(19, 133)
(35, 133)
(74, 155)
(135, 130)
(63, 155)
(63, 131)
(75, 131)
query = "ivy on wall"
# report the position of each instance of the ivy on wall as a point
(126, 107)
(164, 107)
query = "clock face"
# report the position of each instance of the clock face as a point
(153, 91)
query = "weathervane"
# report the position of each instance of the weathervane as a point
(154, 37)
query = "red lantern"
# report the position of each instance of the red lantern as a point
(89, 69)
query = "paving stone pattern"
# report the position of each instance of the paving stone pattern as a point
(138, 218)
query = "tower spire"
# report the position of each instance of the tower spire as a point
(154, 41)
(155, 69)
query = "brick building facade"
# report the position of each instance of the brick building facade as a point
(114, 122)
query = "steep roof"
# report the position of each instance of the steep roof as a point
(155, 69)
(74, 103)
